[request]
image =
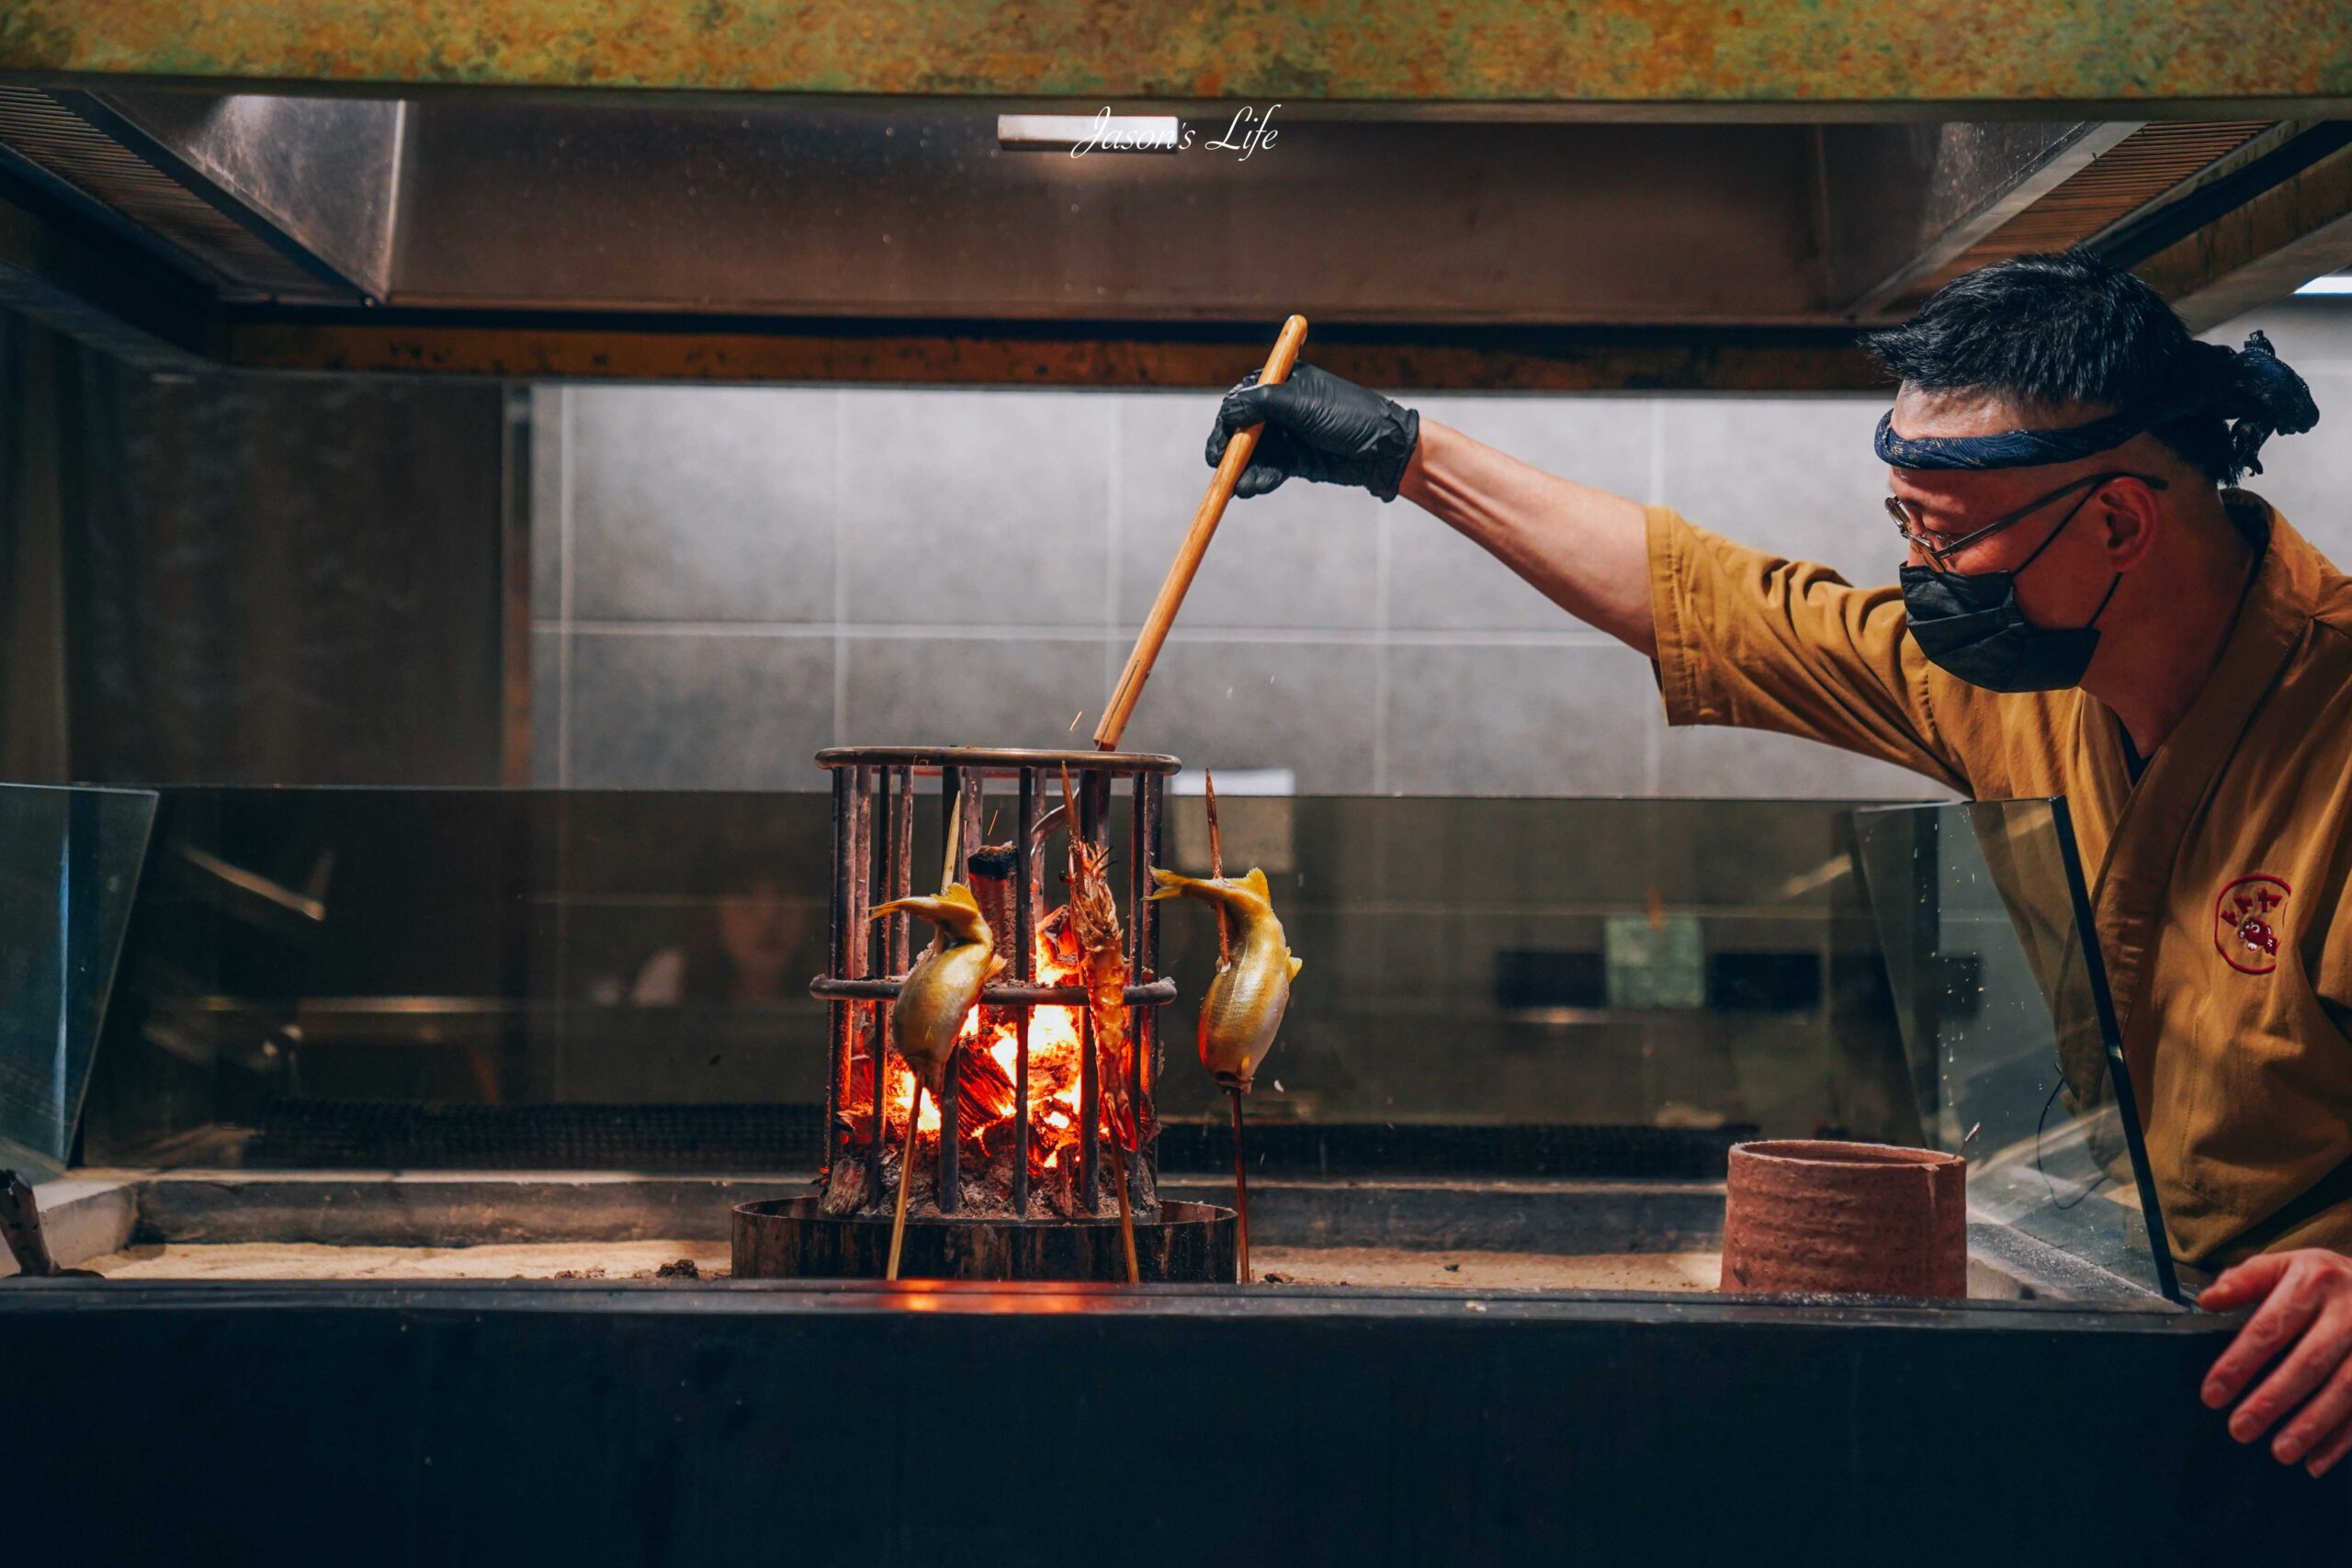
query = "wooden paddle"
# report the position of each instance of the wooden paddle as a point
(1172, 588)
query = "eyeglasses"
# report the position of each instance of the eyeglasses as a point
(1907, 523)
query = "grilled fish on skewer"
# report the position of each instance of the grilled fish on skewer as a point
(938, 992)
(1244, 1007)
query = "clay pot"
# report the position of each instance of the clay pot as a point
(1802, 1215)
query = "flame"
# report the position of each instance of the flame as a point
(1057, 1056)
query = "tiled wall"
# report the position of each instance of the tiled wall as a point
(725, 579)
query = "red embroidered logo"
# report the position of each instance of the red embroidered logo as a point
(2245, 923)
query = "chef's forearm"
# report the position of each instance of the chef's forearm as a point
(1585, 550)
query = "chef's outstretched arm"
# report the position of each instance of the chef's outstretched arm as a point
(1585, 550)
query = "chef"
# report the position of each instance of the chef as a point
(2087, 607)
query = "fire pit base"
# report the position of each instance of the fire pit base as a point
(788, 1239)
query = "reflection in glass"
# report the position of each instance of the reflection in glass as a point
(2007, 1027)
(69, 860)
(484, 978)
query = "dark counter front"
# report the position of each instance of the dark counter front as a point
(589, 1422)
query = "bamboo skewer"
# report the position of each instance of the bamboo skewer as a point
(1238, 453)
(914, 1112)
(1126, 1215)
(1216, 873)
(1240, 1194)
(906, 1169)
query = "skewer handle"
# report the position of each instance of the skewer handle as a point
(906, 1168)
(1127, 1214)
(1240, 1195)
(1238, 453)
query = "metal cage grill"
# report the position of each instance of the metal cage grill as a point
(875, 791)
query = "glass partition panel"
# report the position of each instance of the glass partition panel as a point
(619, 979)
(2007, 1027)
(69, 860)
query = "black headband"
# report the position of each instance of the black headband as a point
(2260, 395)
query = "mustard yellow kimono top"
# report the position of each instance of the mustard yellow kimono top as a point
(2218, 879)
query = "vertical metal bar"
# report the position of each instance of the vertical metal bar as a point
(1091, 790)
(972, 783)
(951, 809)
(899, 829)
(836, 960)
(1142, 953)
(1025, 969)
(864, 1018)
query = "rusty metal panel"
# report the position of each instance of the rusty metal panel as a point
(1636, 54)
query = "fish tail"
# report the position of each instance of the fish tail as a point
(954, 909)
(1172, 884)
(1245, 898)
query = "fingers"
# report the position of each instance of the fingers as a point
(1275, 459)
(1242, 408)
(2245, 1284)
(1258, 478)
(2331, 1449)
(1246, 406)
(2288, 1310)
(2329, 1409)
(2316, 1358)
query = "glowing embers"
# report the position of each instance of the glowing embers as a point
(986, 1065)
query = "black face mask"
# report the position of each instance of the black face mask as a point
(1968, 624)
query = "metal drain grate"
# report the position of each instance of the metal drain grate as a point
(2143, 166)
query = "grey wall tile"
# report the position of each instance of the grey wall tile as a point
(547, 709)
(1307, 556)
(2309, 477)
(699, 710)
(1438, 579)
(1704, 760)
(1794, 476)
(1519, 720)
(702, 504)
(976, 507)
(547, 502)
(1305, 707)
(971, 692)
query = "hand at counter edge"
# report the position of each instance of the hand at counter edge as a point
(1319, 427)
(2305, 1322)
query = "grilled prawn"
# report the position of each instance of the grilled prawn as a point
(1091, 921)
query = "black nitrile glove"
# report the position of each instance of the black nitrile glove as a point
(1317, 427)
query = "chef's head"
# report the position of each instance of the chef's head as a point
(2055, 431)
